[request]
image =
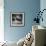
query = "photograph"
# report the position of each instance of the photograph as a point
(17, 19)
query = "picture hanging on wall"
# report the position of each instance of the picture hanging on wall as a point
(17, 19)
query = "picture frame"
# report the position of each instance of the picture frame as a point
(17, 19)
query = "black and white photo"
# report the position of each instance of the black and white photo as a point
(17, 19)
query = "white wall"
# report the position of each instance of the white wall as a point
(1, 21)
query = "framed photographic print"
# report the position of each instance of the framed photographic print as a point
(17, 19)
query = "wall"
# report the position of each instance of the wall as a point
(1, 21)
(29, 7)
(43, 6)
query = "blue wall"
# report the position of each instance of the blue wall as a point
(43, 6)
(29, 7)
